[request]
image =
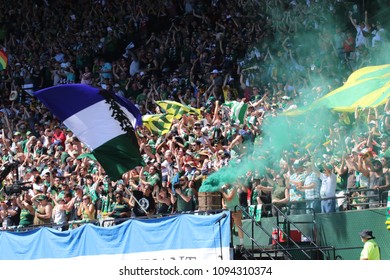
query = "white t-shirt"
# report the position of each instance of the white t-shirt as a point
(360, 39)
(165, 168)
(134, 67)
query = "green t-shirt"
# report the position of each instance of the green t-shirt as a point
(140, 98)
(26, 219)
(232, 204)
(152, 145)
(119, 208)
(153, 179)
(182, 205)
(64, 156)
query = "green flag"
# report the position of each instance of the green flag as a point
(237, 111)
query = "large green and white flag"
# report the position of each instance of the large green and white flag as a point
(237, 111)
(104, 122)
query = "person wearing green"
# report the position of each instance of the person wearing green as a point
(89, 185)
(27, 212)
(120, 209)
(152, 177)
(184, 196)
(371, 249)
(231, 202)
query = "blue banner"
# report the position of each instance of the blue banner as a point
(177, 237)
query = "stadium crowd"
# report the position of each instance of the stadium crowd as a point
(272, 55)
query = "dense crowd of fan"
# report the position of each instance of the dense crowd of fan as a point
(274, 55)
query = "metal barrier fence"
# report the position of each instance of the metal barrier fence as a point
(359, 198)
(105, 222)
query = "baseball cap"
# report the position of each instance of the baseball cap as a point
(366, 234)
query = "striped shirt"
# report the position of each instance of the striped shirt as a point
(314, 192)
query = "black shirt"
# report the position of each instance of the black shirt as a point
(147, 203)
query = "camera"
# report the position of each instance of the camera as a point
(16, 189)
(177, 185)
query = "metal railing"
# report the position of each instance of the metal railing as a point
(251, 236)
(290, 245)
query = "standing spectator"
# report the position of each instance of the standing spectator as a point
(361, 29)
(58, 137)
(59, 213)
(311, 186)
(120, 209)
(297, 195)
(27, 211)
(87, 210)
(4, 216)
(264, 197)
(379, 183)
(14, 211)
(43, 212)
(231, 202)
(86, 77)
(105, 70)
(328, 189)
(164, 205)
(151, 177)
(371, 250)
(78, 200)
(280, 194)
(143, 202)
(378, 35)
(184, 196)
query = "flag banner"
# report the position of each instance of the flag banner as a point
(176, 109)
(237, 111)
(180, 237)
(159, 124)
(368, 72)
(255, 211)
(366, 87)
(102, 121)
(3, 60)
